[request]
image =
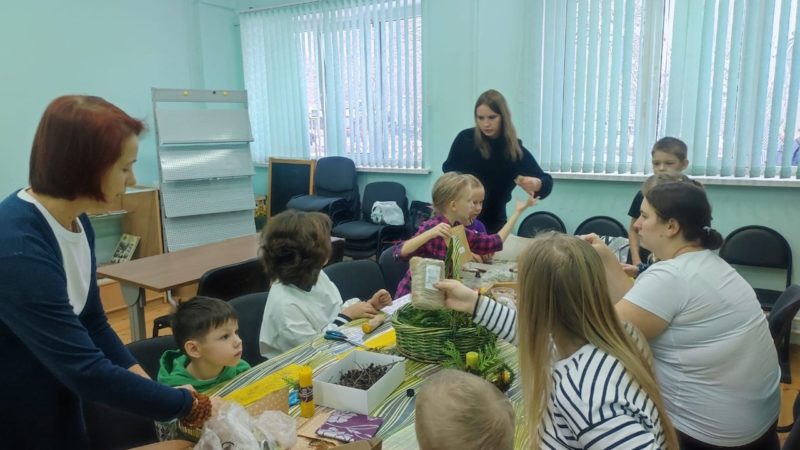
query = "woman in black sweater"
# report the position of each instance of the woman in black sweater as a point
(492, 152)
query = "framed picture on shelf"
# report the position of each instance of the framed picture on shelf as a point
(125, 248)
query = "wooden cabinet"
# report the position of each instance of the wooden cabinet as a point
(139, 214)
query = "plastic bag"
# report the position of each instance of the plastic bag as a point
(234, 428)
(388, 213)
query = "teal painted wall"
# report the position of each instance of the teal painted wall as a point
(120, 49)
(116, 49)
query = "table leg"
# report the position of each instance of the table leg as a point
(134, 298)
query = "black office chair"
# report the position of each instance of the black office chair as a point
(148, 352)
(538, 222)
(780, 326)
(602, 226)
(365, 238)
(335, 190)
(111, 428)
(356, 278)
(418, 212)
(250, 309)
(393, 269)
(759, 246)
(225, 283)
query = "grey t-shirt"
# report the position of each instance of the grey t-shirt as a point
(716, 361)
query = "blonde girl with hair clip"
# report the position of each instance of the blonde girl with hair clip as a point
(586, 377)
(453, 206)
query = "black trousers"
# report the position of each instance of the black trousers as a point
(767, 441)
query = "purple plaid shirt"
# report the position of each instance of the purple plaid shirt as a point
(479, 243)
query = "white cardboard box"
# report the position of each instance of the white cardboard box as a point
(328, 393)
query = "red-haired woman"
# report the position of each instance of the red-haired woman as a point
(491, 152)
(57, 347)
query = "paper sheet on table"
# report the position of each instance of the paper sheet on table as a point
(512, 247)
(396, 304)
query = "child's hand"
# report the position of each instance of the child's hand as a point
(457, 296)
(381, 299)
(359, 310)
(442, 230)
(522, 206)
(487, 259)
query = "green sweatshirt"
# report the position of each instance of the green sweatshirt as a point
(173, 372)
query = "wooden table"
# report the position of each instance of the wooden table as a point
(162, 273)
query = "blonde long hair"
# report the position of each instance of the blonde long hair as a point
(563, 287)
(495, 101)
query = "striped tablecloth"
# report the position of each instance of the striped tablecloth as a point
(397, 410)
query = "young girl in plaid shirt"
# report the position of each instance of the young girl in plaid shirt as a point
(453, 205)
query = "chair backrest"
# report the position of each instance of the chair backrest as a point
(383, 191)
(232, 281)
(148, 352)
(602, 226)
(540, 221)
(759, 246)
(418, 212)
(783, 312)
(393, 269)
(335, 176)
(250, 309)
(356, 278)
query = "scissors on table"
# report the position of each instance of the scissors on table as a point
(333, 335)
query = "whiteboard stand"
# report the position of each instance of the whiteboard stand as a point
(205, 167)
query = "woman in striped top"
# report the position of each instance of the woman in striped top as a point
(586, 380)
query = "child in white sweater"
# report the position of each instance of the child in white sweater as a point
(303, 301)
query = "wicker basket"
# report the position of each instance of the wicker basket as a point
(426, 344)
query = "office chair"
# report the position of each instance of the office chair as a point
(759, 246)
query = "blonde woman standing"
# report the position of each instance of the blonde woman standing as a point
(585, 376)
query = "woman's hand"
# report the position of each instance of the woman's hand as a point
(216, 405)
(531, 185)
(380, 299)
(442, 230)
(606, 255)
(457, 296)
(360, 310)
(631, 270)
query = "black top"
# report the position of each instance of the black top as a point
(497, 174)
(636, 206)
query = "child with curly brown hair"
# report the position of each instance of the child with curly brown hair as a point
(303, 301)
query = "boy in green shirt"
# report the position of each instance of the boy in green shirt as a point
(210, 350)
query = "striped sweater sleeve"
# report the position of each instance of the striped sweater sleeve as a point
(499, 319)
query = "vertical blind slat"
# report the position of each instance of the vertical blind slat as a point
(730, 142)
(718, 73)
(765, 30)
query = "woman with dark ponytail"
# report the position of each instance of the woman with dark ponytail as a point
(704, 325)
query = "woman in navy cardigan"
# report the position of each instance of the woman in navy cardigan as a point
(56, 344)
